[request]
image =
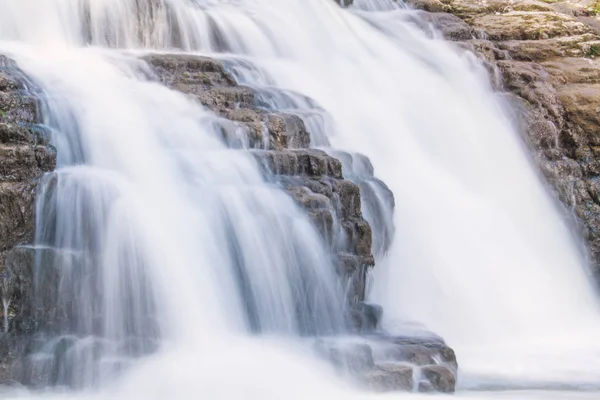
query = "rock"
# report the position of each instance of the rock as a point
(345, 3)
(390, 377)
(375, 361)
(366, 317)
(16, 214)
(287, 131)
(581, 104)
(353, 358)
(573, 70)
(441, 378)
(450, 26)
(433, 6)
(548, 49)
(25, 155)
(30, 307)
(313, 163)
(520, 25)
(425, 387)
(421, 348)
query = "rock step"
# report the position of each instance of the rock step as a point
(334, 205)
(522, 25)
(16, 104)
(23, 162)
(270, 130)
(305, 162)
(387, 363)
(450, 26)
(16, 214)
(11, 133)
(585, 45)
(207, 81)
(192, 70)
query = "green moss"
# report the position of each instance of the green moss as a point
(594, 9)
(594, 51)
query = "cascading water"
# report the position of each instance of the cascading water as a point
(149, 213)
(148, 194)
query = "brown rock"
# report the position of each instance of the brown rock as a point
(520, 25)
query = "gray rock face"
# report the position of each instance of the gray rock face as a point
(422, 362)
(25, 154)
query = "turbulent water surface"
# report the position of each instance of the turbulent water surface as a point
(480, 254)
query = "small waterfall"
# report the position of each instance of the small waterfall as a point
(159, 231)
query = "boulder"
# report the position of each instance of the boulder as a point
(390, 377)
(438, 377)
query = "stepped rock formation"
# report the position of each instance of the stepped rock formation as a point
(546, 55)
(326, 184)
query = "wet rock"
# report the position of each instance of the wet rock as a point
(207, 81)
(353, 358)
(519, 25)
(16, 214)
(425, 387)
(25, 156)
(191, 73)
(366, 317)
(441, 378)
(313, 163)
(375, 361)
(450, 26)
(30, 306)
(390, 377)
(418, 350)
(287, 131)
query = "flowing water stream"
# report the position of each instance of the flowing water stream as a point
(147, 193)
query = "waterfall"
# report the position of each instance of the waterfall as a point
(150, 214)
(174, 240)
